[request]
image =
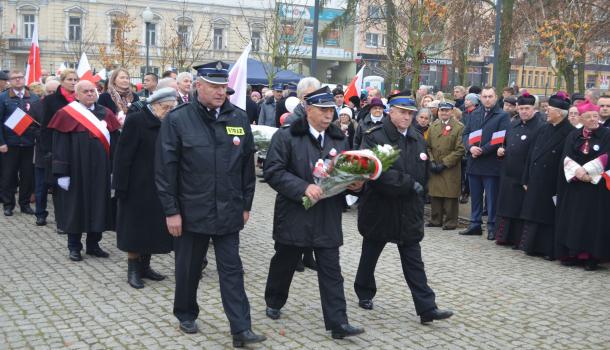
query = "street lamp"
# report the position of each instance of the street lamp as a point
(147, 16)
(523, 70)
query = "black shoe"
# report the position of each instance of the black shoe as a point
(8, 212)
(247, 337)
(491, 236)
(147, 272)
(134, 277)
(272, 313)
(97, 252)
(189, 327)
(433, 225)
(449, 228)
(472, 231)
(366, 304)
(40, 221)
(300, 266)
(435, 314)
(27, 210)
(75, 255)
(591, 265)
(309, 262)
(346, 330)
(464, 199)
(484, 213)
(60, 232)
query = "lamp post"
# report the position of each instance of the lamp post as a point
(314, 44)
(147, 16)
(523, 70)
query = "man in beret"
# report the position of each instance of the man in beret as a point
(510, 107)
(205, 179)
(540, 180)
(392, 210)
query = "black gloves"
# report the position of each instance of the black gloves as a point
(418, 188)
(437, 168)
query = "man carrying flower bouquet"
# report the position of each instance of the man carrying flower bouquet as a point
(391, 209)
(293, 153)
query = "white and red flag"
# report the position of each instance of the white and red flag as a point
(33, 72)
(84, 70)
(475, 136)
(238, 79)
(19, 121)
(497, 138)
(355, 86)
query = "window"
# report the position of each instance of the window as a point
(150, 69)
(184, 35)
(375, 12)
(151, 29)
(591, 81)
(384, 39)
(474, 50)
(218, 39)
(72, 65)
(256, 41)
(333, 38)
(28, 25)
(372, 40)
(74, 28)
(114, 28)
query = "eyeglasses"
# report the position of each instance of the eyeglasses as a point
(17, 77)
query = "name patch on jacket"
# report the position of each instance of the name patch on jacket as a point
(235, 130)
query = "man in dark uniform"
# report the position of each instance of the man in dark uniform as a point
(205, 179)
(375, 116)
(294, 151)
(519, 138)
(392, 210)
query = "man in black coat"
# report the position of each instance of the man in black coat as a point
(392, 210)
(483, 163)
(375, 116)
(540, 179)
(205, 179)
(294, 151)
(519, 138)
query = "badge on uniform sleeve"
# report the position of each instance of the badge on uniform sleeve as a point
(235, 130)
(596, 148)
(523, 137)
(236, 141)
(423, 156)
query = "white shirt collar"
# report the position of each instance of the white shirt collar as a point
(217, 111)
(89, 108)
(17, 92)
(404, 133)
(315, 132)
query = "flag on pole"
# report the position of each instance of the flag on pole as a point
(84, 70)
(102, 74)
(18, 121)
(498, 137)
(355, 86)
(33, 72)
(475, 136)
(238, 79)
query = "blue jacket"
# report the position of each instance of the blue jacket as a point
(487, 164)
(8, 103)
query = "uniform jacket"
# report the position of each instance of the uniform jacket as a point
(488, 163)
(9, 101)
(390, 210)
(288, 170)
(267, 113)
(205, 167)
(541, 172)
(446, 147)
(364, 125)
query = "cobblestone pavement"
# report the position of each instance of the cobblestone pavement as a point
(502, 299)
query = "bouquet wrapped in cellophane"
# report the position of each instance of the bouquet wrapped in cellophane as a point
(262, 137)
(335, 175)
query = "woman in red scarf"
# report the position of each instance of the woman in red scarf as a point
(119, 95)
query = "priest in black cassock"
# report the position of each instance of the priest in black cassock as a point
(84, 135)
(519, 138)
(540, 180)
(582, 230)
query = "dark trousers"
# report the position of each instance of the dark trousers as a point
(465, 186)
(41, 192)
(330, 281)
(444, 211)
(412, 268)
(189, 250)
(92, 242)
(17, 163)
(479, 185)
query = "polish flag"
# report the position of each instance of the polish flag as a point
(355, 86)
(238, 79)
(84, 71)
(19, 121)
(102, 74)
(498, 137)
(475, 137)
(33, 72)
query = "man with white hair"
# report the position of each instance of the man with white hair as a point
(50, 87)
(84, 137)
(185, 82)
(304, 87)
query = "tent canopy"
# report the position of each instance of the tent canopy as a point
(257, 74)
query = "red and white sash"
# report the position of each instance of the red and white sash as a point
(87, 119)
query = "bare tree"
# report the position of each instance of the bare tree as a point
(123, 52)
(85, 43)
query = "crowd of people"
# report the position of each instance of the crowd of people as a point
(172, 167)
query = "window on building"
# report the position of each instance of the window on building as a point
(256, 41)
(372, 40)
(218, 39)
(184, 34)
(114, 28)
(75, 28)
(474, 50)
(29, 20)
(151, 29)
(150, 69)
(384, 39)
(375, 12)
(72, 65)
(591, 81)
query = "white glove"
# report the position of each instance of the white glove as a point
(64, 182)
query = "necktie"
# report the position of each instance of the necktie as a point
(320, 141)
(185, 98)
(20, 95)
